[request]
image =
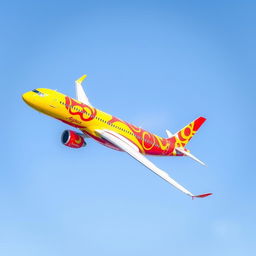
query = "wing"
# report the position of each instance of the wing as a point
(133, 151)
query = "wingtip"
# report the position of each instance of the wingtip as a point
(204, 164)
(81, 79)
(202, 196)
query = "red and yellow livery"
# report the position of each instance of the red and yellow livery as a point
(111, 131)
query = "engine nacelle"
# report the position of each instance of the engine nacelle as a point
(72, 139)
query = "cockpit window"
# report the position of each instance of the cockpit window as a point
(39, 93)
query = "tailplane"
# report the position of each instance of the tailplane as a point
(187, 153)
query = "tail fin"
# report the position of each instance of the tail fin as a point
(185, 134)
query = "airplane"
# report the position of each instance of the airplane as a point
(112, 131)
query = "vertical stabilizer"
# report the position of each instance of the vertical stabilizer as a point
(185, 134)
(182, 137)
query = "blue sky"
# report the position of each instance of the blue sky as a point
(157, 64)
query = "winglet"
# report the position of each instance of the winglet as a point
(202, 196)
(80, 94)
(81, 79)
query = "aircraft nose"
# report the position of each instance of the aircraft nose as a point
(26, 97)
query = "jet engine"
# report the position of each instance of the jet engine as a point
(72, 139)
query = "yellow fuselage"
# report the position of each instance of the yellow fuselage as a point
(89, 119)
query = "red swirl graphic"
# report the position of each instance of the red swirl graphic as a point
(91, 112)
(150, 143)
(148, 140)
(114, 119)
(135, 129)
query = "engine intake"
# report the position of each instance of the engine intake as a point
(72, 139)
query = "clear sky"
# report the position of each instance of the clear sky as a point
(159, 65)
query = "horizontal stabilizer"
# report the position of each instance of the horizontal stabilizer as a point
(183, 151)
(169, 134)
